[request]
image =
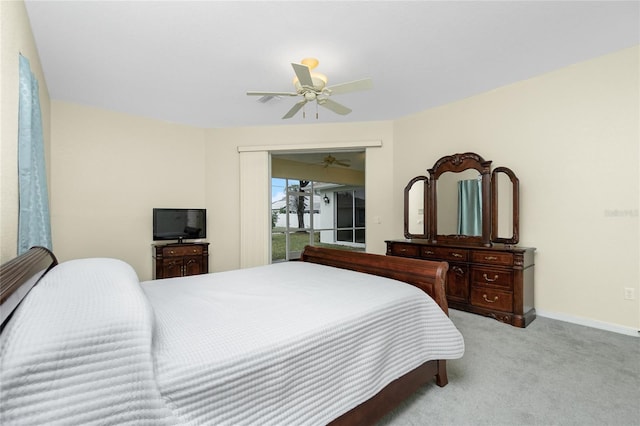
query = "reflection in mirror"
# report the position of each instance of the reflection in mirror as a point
(505, 209)
(505, 206)
(450, 221)
(415, 195)
(416, 208)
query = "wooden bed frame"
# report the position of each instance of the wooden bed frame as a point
(19, 275)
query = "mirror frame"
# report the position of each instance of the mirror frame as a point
(425, 204)
(515, 215)
(457, 163)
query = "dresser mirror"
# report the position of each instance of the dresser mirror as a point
(463, 201)
(458, 215)
(415, 207)
(460, 200)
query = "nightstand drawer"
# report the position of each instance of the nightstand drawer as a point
(182, 250)
(492, 277)
(491, 299)
(405, 250)
(492, 257)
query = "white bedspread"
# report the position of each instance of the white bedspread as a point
(288, 344)
(77, 351)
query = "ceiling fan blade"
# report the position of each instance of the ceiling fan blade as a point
(272, 94)
(295, 109)
(267, 98)
(352, 86)
(334, 106)
(303, 74)
(342, 163)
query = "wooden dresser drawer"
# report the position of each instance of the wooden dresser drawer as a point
(405, 250)
(492, 277)
(492, 280)
(491, 298)
(182, 250)
(492, 257)
(452, 254)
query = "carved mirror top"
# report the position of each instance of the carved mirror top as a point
(460, 162)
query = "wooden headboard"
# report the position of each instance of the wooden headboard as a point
(426, 275)
(19, 275)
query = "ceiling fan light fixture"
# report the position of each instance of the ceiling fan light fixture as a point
(310, 62)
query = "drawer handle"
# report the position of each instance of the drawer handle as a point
(458, 270)
(486, 299)
(456, 255)
(490, 258)
(403, 250)
(489, 280)
(195, 251)
(170, 251)
(428, 252)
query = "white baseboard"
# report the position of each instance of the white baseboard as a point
(629, 331)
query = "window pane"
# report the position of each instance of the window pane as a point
(298, 240)
(346, 236)
(299, 202)
(344, 210)
(299, 210)
(359, 207)
(278, 245)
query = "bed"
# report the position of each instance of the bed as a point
(335, 338)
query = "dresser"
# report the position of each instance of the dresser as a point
(493, 281)
(180, 260)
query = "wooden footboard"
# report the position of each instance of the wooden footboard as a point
(428, 276)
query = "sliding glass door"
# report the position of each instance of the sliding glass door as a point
(315, 213)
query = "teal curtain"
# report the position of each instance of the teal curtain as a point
(34, 226)
(470, 207)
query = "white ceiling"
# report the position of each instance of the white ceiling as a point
(192, 62)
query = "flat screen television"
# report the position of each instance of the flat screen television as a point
(179, 224)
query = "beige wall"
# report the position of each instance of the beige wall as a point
(572, 138)
(15, 38)
(109, 171)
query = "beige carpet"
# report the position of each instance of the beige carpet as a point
(550, 373)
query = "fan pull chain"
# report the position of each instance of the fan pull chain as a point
(316, 110)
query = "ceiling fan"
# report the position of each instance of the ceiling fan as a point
(312, 86)
(330, 160)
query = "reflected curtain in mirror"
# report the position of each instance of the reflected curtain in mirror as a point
(34, 226)
(470, 207)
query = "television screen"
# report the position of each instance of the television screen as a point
(179, 224)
